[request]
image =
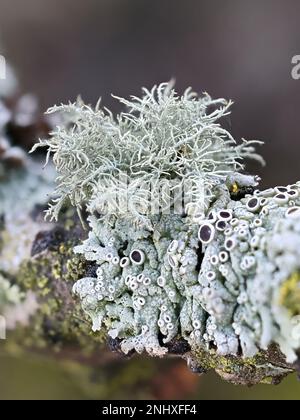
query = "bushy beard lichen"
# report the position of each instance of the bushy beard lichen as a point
(161, 137)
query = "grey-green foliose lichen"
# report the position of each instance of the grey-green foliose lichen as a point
(219, 273)
(148, 284)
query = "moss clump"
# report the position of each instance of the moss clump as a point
(59, 320)
(265, 367)
(159, 137)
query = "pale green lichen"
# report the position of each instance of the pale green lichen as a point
(161, 137)
(8, 84)
(137, 299)
(23, 186)
(231, 303)
(253, 250)
(21, 190)
(211, 274)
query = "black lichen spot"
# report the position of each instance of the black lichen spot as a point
(229, 244)
(211, 216)
(221, 224)
(91, 269)
(206, 233)
(48, 239)
(280, 196)
(241, 193)
(114, 345)
(214, 259)
(252, 203)
(160, 338)
(200, 256)
(136, 256)
(224, 214)
(178, 346)
(292, 210)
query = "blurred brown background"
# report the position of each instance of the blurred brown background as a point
(235, 49)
